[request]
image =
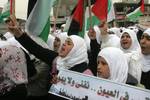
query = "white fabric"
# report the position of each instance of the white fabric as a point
(146, 63)
(8, 35)
(117, 63)
(87, 40)
(98, 34)
(77, 55)
(50, 41)
(135, 46)
(110, 40)
(115, 30)
(134, 28)
(62, 36)
(133, 55)
(146, 58)
(147, 31)
(13, 67)
(3, 43)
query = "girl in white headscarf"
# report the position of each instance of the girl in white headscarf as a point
(112, 65)
(59, 40)
(77, 57)
(130, 46)
(145, 48)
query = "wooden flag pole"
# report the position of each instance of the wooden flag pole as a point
(12, 7)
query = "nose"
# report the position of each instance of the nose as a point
(98, 67)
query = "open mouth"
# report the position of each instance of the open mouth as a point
(143, 48)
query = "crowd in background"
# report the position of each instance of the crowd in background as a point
(28, 65)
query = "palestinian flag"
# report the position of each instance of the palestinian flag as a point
(80, 21)
(99, 13)
(38, 22)
(77, 20)
(100, 9)
(135, 12)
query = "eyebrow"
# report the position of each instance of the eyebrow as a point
(146, 35)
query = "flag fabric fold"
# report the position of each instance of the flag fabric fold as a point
(135, 12)
(105, 12)
(38, 22)
(100, 9)
(111, 11)
(76, 25)
(5, 12)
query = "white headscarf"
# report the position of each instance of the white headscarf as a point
(77, 55)
(62, 36)
(135, 46)
(146, 58)
(134, 28)
(115, 30)
(13, 67)
(50, 41)
(117, 63)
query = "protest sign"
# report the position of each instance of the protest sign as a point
(78, 86)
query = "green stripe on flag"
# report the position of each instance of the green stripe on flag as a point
(44, 34)
(134, 15)
(95, 21)
(5, 12)
(4, 15)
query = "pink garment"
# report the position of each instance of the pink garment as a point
(88, 72)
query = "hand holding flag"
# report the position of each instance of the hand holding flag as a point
(13, 27)
(92, 34)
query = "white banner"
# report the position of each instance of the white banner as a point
(78, 86)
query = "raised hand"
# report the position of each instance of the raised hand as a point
(92, 34)
(13, 27)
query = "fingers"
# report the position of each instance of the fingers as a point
(92, 33)
(13, 27)
(13, 19)
(54, 79)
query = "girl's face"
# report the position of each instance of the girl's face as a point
(102, 68)
(126, 41)
(66, 47)
(57, 43)
(145, 44)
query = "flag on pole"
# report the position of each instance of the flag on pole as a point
(100, 9)
(135, 12)
(111, 11)
(80, 21)
(76, 25)
(38, 22)
(105, 12)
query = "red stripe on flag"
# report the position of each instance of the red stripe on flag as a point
(78, 14)
(142, 6)
(100, 9)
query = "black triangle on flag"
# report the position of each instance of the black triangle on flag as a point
(31, 4)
